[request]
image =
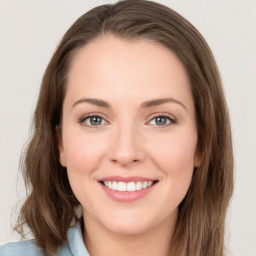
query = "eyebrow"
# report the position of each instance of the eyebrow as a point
(146, 104)
(157, 102)
(96, 102)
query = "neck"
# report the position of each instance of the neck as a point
(156, 241)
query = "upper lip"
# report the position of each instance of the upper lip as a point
(126, 179)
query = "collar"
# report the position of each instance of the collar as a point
(75, 241)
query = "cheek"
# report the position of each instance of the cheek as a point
(83, 156)
(174, 155)
(83, 153)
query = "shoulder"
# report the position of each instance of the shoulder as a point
(74, 246)
(25, 248)
(29, 248)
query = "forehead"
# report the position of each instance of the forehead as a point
(112, 67)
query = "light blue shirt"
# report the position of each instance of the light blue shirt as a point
(73, 247)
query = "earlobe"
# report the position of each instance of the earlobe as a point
(62, 157)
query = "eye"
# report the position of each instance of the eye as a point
(93, 120)
(162, 120)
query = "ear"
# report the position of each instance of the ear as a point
(62, 157)
(198, 157)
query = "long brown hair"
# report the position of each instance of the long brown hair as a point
(50, 205)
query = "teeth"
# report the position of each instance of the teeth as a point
(127, 187)
(114, 185)
(150, 183)
(121, 186)
(138, 185)
(144, 184)
(131, 186)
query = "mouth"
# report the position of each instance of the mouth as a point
(127, 189)
(131, 186)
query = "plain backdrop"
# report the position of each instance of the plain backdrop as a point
(29, 33)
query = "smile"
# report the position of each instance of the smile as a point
(127, 187)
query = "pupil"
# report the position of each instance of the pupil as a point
(95, 120)
(161, 120)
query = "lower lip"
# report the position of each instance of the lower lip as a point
(127, 196)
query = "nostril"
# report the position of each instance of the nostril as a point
(125, 159)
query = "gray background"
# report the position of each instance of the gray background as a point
(29, 33)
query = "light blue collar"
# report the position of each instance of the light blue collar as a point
(75, 241)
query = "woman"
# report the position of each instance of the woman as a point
(131, 152)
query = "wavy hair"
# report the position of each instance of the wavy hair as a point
(50, 205)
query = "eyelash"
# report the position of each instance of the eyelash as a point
(170, 118)
(83, 119)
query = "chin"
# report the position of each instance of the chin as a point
(129, 228)
(127, 223)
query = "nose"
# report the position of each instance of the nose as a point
(127, 146)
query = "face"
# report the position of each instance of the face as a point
(128, 135)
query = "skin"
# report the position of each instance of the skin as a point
(128, 142)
